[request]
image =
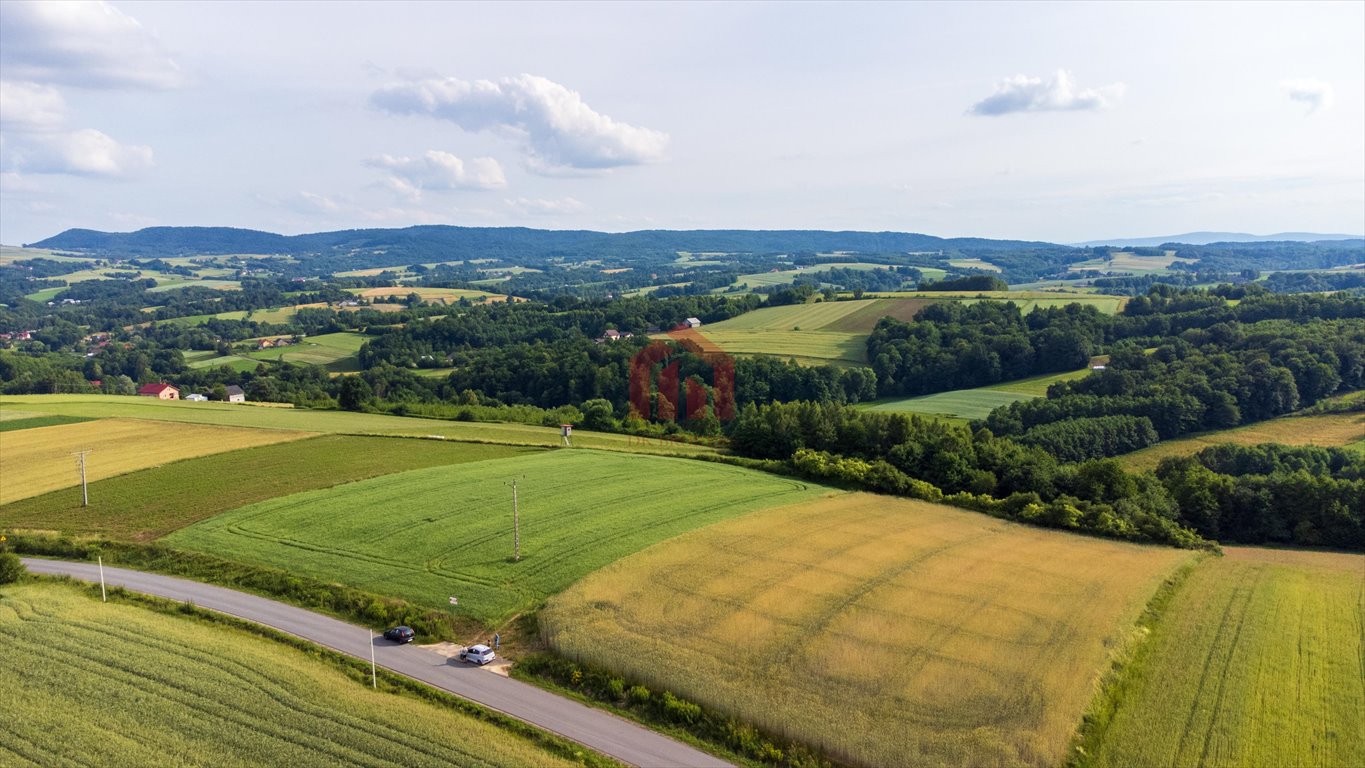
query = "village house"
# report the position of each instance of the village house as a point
(160, 391)
(235, 394)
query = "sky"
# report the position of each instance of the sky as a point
(1050, 121)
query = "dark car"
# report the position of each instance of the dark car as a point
(400, 634)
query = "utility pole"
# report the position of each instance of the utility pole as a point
(85, 491)
(516, 526)
(103, 596)
(374, 679)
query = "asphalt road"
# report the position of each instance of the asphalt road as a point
(593, 728)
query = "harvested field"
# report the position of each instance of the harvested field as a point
(1332, 430)
(885, 631)
(35, 461)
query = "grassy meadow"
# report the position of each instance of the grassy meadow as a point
(430, 295)
(430, 533)
(1026, 300)
(833, 332)
(1333, 430)
(1257, 660)
(345, 422)
(152, 502)
(969, 404)
(884, 631)
(334, 351)
(35, 461)
(94, 684)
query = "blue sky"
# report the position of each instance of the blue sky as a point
(1061, 122)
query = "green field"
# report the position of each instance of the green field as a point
(334, 351)
(1027, 301)
(974, 264)
(817, 333)
(1128, 262)
(883, 631)
(430, 533)
(1257, 661)
(100, 406)
(969, 404)
(152, 502)
(94, 684)
(31, 422)
(788, 276)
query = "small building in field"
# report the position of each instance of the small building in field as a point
(160, 392)
(692, 322)
(196, 397)
(235, 394)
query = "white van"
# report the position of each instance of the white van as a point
(478, 654)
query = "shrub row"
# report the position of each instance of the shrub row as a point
(662, 707)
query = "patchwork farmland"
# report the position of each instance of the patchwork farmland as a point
(1333, 430)
(88, 683)
(425, 534)
(38, 460)
(885, 631)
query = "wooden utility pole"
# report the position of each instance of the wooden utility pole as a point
(516, 526)
(85, 492)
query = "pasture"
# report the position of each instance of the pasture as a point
(984, 266)
(35, 461)
(334, 351)
(430, 533)
(1256, 661)
(102, 406)
(96, 684)
(788, 276)
(1333, 430)
(152, 502)
(884, 631)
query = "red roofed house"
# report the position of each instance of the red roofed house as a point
(160, 391)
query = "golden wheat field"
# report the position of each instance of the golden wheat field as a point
(34, 461)
(883, 631)
(1328, 430)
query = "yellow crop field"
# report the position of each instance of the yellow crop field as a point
(1331, 430)
(883, 631)
(1256, 661)
(35, 461)
(437, 295)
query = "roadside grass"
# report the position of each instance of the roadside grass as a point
(100, 406)
(879, 631)
(1256, 661)
(1332, 430)
(114, 684)
(7, 425)
(427, 534)
(149, 503)
(35, 461)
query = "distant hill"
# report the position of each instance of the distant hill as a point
(493, 242)
(1204, 238)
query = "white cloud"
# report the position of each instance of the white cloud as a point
(1058, 93)
(1314, 93)
(541, 207)
(86, 152)
(556, 128)
(30, 106)
(437, 170)
(87, 44)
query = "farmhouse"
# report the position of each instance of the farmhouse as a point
(235, 394)
(160, 392)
